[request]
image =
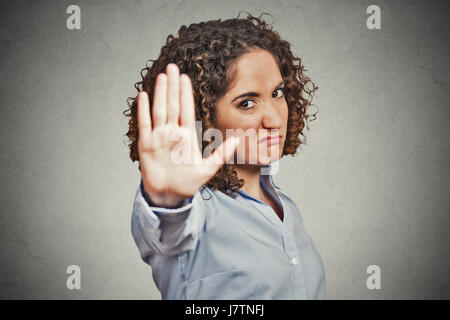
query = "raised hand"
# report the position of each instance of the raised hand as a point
(173, 115)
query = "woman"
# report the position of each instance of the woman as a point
(214, 227)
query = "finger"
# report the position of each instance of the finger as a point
(144, 119)
(187, 117)
(219, 157)
(159, 108)
(173, 93)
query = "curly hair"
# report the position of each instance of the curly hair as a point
(206, 52)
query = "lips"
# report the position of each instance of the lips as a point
(271, 140)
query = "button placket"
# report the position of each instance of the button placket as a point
(291, 246)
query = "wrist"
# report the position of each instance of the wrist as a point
(165, 200)
(162, 200)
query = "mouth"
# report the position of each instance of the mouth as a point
(271, 140)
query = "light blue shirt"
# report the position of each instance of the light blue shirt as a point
(218, 247)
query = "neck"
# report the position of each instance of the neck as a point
(251, 175)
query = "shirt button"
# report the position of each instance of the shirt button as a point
(294, 260)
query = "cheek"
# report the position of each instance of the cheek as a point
(246, 122)
(284, 114)
(222, 120)
(234, 120)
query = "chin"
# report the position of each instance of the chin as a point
(268, 160)
(271, 157)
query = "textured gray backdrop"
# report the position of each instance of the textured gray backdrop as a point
(372, 182)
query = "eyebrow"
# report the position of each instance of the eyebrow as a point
(255, 94)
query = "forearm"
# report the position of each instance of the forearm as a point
(162, 200)
(165, 230)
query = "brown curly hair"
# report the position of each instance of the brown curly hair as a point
(205, 51)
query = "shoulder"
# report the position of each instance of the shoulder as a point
(216, 207)
(281, 192)
(210, 199)
(287, 200)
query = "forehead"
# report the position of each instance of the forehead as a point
(257, 69)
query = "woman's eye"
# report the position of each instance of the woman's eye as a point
(281, 92)
(245, 104)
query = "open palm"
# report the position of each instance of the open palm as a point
(168, 129)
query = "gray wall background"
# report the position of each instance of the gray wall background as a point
(372, 182)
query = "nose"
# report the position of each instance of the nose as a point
(271, 117)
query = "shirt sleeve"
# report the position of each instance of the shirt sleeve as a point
(157, 209)
(166, 231)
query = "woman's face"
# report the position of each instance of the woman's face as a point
(256, 104)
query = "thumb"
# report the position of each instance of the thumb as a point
(220, 156)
